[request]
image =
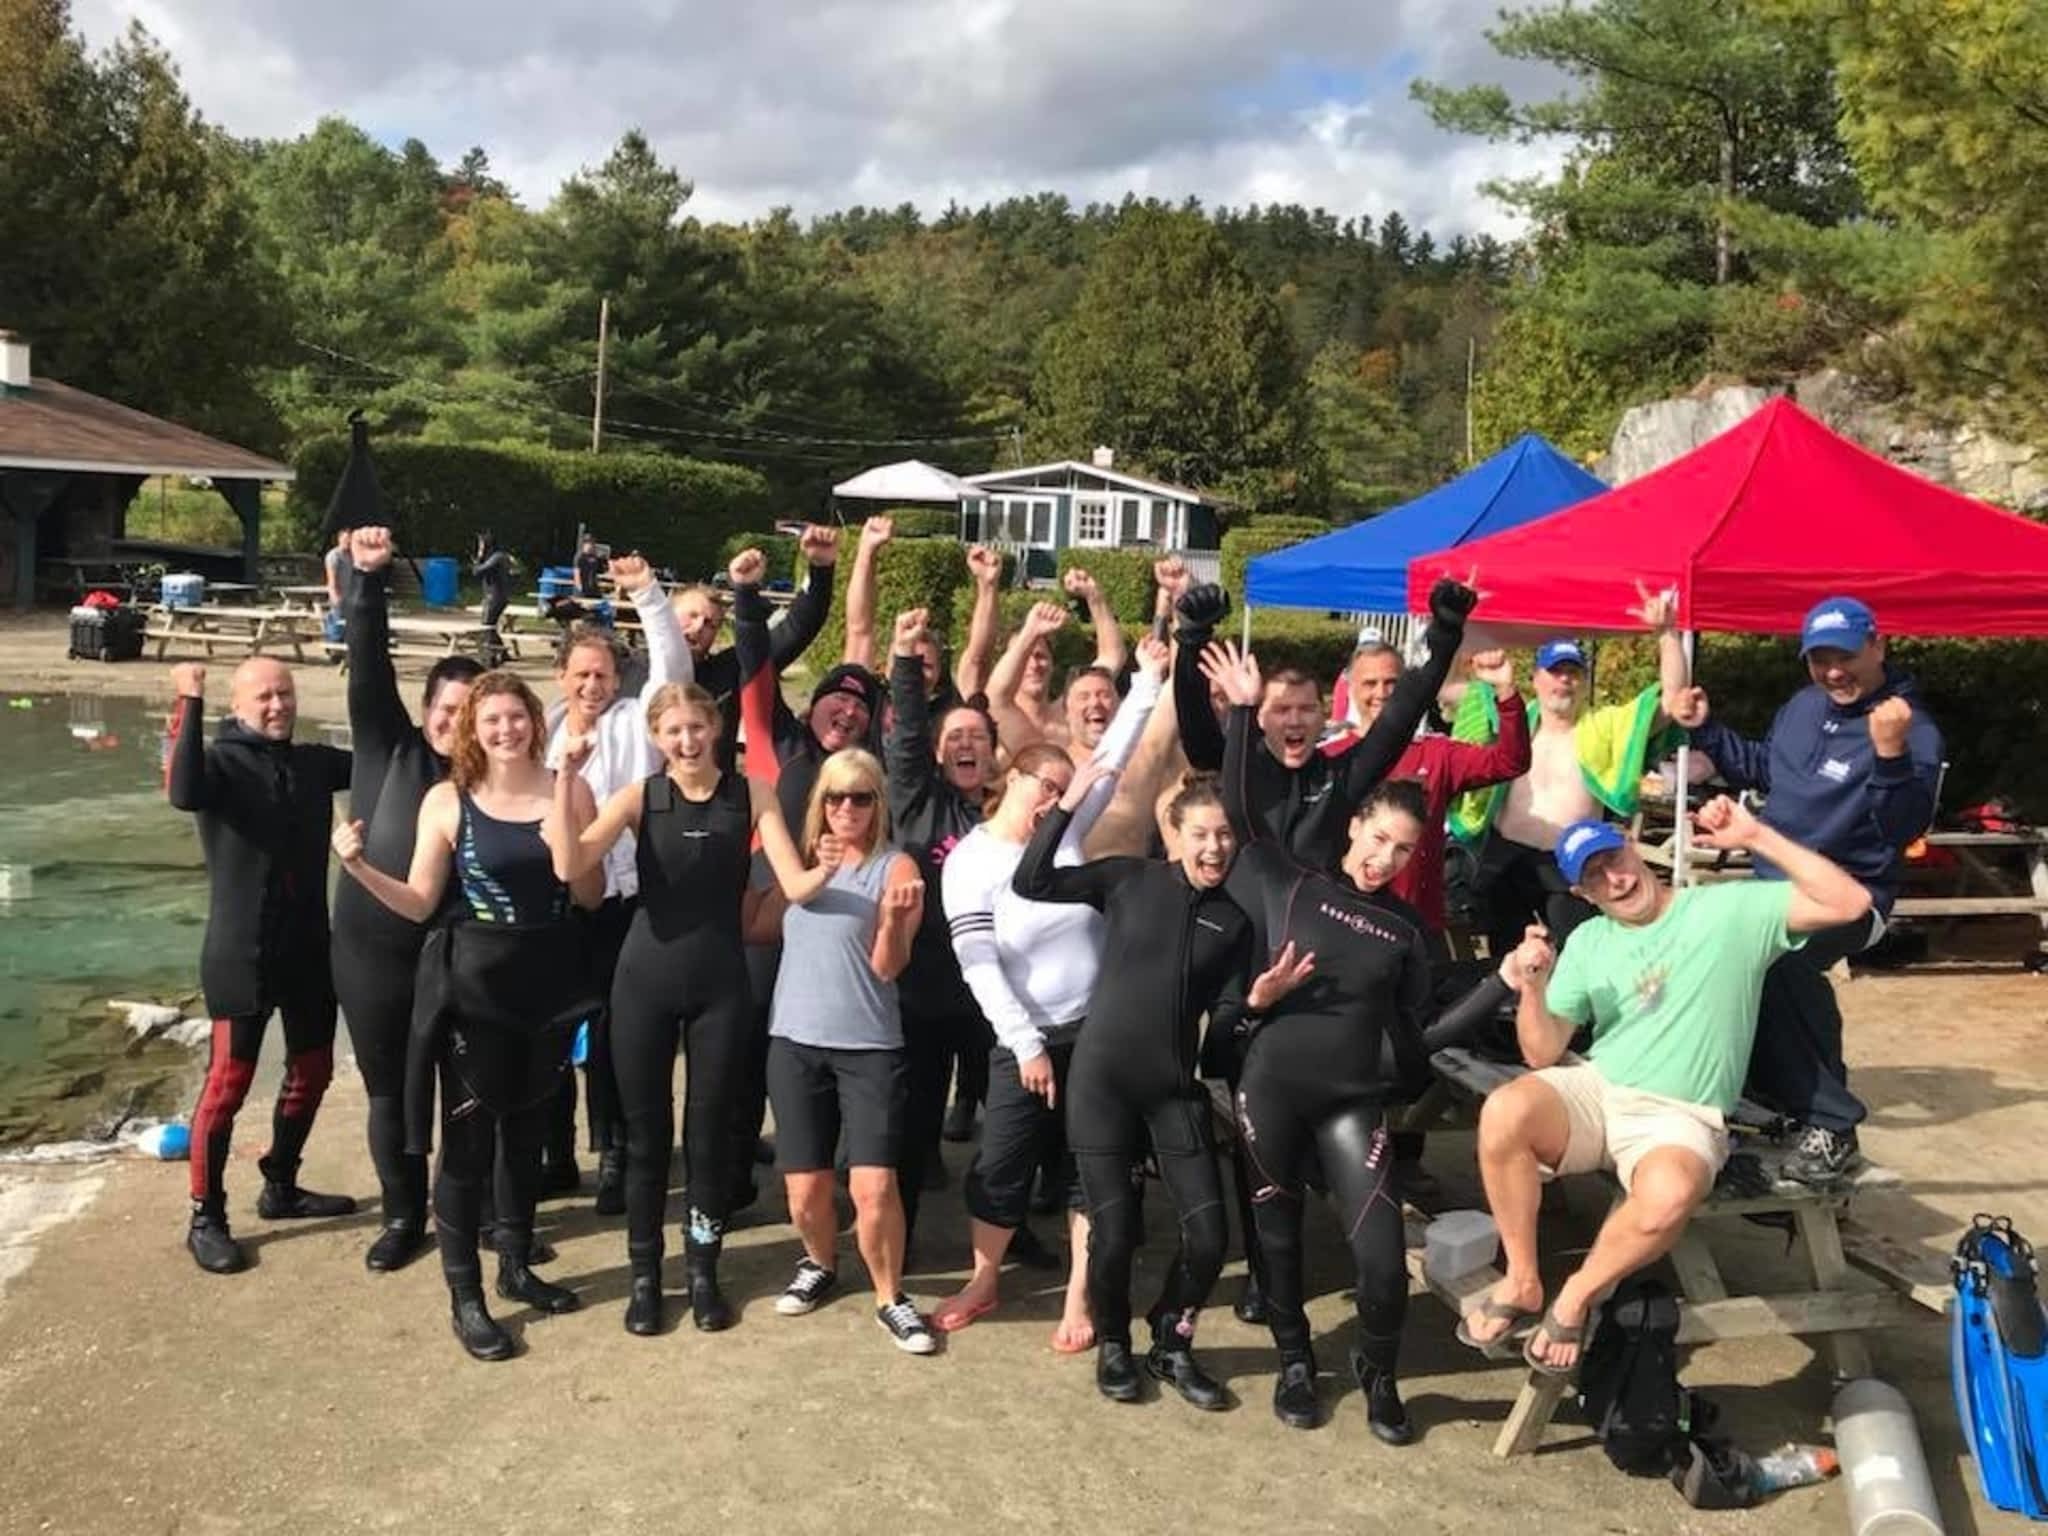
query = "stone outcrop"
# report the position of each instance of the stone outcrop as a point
(1964, 458)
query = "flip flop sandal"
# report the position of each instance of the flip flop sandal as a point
(1506, 1344)
(1558, 1333)
(951, 1319)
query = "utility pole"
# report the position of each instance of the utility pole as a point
(1471, 367)
(604, 326)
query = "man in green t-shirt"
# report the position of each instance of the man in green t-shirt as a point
(1670, 982)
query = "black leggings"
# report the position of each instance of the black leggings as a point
(604, 932)
(1113, 1183)
(1357, 1157)
(231, 1068)
(376, 989)
(929, 1043)
(516, 1071)
(711, 1021)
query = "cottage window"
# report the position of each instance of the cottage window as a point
(1041, 523)
(1091, 522)
(1131, 528)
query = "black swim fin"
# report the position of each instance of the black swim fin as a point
(1999, 1361)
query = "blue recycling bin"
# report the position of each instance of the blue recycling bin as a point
(557, 581)
(440, 581)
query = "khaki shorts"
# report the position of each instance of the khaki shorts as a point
(1614, 1127)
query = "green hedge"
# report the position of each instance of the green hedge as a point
(1287, 522)
(925, 522)
(784, 561)
(1242, 545)
(677, 511)
(1320, 647)
(913, 573)
(1125, 576)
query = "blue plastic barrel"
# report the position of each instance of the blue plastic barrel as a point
(184, 590)
(439, 581)
(557, 581)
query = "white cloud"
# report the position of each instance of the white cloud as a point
(819, 104)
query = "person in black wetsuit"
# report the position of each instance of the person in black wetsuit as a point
(937, 782)
(1304, 800)
(681, 980)
(701, 614)
(501, 988)
(494, 569)
(263, 803)
(1184, 949)
(1321, 1068)
(376, 952)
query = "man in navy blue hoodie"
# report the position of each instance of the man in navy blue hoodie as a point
(1850, 767)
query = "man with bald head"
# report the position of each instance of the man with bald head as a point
(265, 806)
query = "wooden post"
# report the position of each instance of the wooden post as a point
(1471, 368)
(604, 326)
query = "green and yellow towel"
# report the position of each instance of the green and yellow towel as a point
(1617, 744)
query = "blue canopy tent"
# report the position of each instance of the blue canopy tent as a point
(1364, 568)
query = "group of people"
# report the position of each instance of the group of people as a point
(1080, 903)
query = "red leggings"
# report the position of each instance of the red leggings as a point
(231, 1067)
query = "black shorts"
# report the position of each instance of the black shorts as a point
(816, 1093)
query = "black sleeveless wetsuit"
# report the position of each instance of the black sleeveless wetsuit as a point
(501, 990)
(682, 979)
(1173, 953)
(1320, 1070)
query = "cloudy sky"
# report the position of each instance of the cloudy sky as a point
(821, 104)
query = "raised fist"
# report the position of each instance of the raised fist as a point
(746, 568)
(832, 851)
(1079, 583)
(188, 680)
(1451, 602)
(1494, 669)
(1044, 619)
(348, 841)
(1724, 822)
(631, 572)
(370, 549)
(576, 749)
(876, 532)
(819, 545)
(1170, 576)
(1154, 655)
(985, 565)
(1688, 707)
(1202, 607)
(901, 900)
(1890, 723)
(910, 629)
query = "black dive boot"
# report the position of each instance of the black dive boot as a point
(1116, 1373)
(518, 1282)
(644, 1304)
(1250, 1307)
(611, 1182)
(1294, 1392)
(404, 1237)
(1172, 1360)
(283, 1200)
(1384, 1413)
(213, 1249)
(709, 1309)
(474, 1326)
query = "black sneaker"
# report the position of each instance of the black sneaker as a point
(213, 1248)
(396, 1246)
(1175, 1364)
(1116, 1373)
(1823, 1158)
(807, 1289)
(901, 1321)
(1294, 1393)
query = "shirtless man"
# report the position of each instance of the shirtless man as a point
(1518, 880)
(1019, 689)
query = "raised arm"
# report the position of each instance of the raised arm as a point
(971, 920)
(592, 837)
(757, 690)
(1905, 770)
(668, 653)
(1474, 765)
(902, 909)
(1543, 1035)
(807, 612)
(1126, 825)
(188, 777)
(912, 769)
(377, 717)
(417, 897)
(860, 591)
(1201, 609)
(970, 672)
(1366, 764)
(1120, 740)
(1110, 650)
(1040, 878)
(1237, 674)
(1824, 895)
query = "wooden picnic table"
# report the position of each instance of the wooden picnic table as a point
(431, 639)
(1862, 1281)
(312, 596)
(248, 629)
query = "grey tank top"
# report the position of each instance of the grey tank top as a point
(827, 994)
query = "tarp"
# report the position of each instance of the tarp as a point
(1754, 527)
(1364, 568)
(913, 480)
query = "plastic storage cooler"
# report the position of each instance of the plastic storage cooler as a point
(106, 634)
(184, 590)
(439, 582)
(1458, 1242)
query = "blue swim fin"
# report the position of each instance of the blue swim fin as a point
(1999, 1360)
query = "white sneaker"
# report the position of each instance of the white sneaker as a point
(906, 1327)
(809, 1287)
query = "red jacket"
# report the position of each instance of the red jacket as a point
(1446, 769)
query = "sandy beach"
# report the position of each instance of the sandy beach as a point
(308, 1395)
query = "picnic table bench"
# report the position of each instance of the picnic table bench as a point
(239, 628)
(1862, 1281)
(431, 639)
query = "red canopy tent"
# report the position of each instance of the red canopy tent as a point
(1752, 529)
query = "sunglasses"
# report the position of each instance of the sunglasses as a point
(861, 799)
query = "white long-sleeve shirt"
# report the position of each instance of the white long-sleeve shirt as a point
(1032, 964)
(625, 752)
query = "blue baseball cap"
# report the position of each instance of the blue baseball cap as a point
(1583, 839)
(1839, 623)
(1553, 654)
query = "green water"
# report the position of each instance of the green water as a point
(102, 895)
